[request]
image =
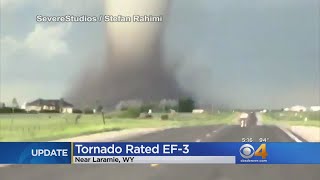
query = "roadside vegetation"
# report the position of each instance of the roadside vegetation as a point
(292, 118)
(50, 126)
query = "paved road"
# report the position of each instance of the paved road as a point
(232, 133)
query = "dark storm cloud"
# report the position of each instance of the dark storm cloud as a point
(134, 67)
(226, 53)
(246, 53)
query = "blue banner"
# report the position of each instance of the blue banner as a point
(251, 153)
(244, 153)
(35, 153)
(155, 149)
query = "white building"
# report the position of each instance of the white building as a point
(50, 105)
(264, 111)
(24, 105)
(298, 108)
(315, 108)
(198, 111)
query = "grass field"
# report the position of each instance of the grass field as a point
(40, 127)
(292, 118)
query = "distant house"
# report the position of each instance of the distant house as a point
(50, 105)
(264, 111)
(197, 111)
(315, 108)
(23, 106)
(298, 108)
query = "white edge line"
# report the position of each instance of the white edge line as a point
(5, 165)
(292, 136)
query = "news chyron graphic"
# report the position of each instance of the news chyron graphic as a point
(159, 153)
(247, 151)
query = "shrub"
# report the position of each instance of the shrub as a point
(33, 112)
(164, 117)
(88, 111)
(146, 107)
(99, 109)
(149, 116)
(186, 105)
(19, 111)
(130, 113)
(76, 111)
(10, 110)
(49, 111)
(84, 111)
(145, 116)
(6, 110)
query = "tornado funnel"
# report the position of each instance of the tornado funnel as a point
(134, 67)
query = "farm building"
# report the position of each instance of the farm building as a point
(286, 109)
(315, 108)
(197, 111)
(298, 108)
(50, 105)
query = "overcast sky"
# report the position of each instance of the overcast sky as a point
(246, 53)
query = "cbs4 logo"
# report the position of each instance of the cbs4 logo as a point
(247, 151)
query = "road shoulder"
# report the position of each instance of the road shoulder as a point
(309, 133)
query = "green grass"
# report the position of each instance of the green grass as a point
(41, 127)
(292, 118)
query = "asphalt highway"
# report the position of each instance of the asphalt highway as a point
(220, 133)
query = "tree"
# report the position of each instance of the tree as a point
(99, 107)
(186, 105)
(15, 104)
